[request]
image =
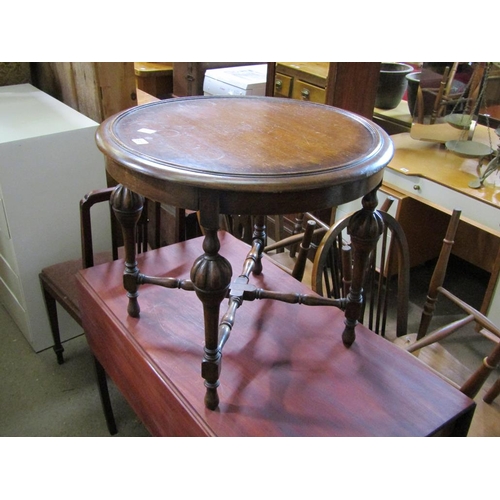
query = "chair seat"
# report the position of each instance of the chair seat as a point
(61, 279)
(438, 359)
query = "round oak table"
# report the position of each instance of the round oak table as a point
(247, 156)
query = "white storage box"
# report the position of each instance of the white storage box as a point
(237, 81)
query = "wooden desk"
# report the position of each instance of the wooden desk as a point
(427, 173)
(249, 156)
(286, 370)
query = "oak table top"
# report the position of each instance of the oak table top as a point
(287, 152)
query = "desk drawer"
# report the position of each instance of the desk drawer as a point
(473, 210)
(307, 92)
(282, 85)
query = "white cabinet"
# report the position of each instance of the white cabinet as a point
(48, 161)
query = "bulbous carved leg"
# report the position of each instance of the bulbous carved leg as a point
(365, 228)
(127, 207)
(211, 275)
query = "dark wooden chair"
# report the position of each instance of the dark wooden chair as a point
(483, 325)
(58, 281)
(293, 253)
(324, 261)
(385, 284)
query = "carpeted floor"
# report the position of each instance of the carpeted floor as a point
(38, 397)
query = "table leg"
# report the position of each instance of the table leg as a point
(127, 207)
(365, 228)
(259, 233)
(211, 276)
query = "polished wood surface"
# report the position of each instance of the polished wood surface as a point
(284, 150)
(286, 371)
(353, 86)
(433, 161)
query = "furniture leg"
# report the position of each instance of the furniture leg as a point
(104, 395)
(51, 306)
(472, 386)
(259, 233)
(365, 228)
(438, 276)
(493, 392)
(211, 276)
(297, 228)
(127, 207)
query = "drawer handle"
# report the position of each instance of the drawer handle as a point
(278, 84)
(305, 94)
(416, 187)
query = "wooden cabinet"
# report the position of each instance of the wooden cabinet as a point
(301, 80)
(155, 78)
(48, 161)
(347, 85)
(283, 85)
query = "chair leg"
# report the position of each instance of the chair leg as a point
(105, 399)
(493, 392)
(51, 306)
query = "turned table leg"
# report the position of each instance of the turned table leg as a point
(127, 207)
(365, 228)
(259, 234)
(211, 276)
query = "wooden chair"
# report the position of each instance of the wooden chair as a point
(483, 325)
(446, 97)
(386, 282)
(291, 254)
(295, 254)
(331, 271)
(58, 282)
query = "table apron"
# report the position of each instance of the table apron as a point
(240, 201)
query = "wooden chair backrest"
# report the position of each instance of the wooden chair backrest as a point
(389, 267)
(100, 196)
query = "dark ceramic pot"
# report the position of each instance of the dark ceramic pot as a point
(392, 84)
(413, 80)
